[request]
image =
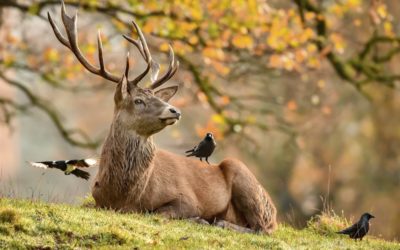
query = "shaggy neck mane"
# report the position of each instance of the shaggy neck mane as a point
(126, 161)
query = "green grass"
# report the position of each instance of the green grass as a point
(35, 225)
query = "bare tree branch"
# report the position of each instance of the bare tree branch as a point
(36, 101)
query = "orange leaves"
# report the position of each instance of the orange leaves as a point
(220, 68)
(214, 27)
(196, 12)
(380, 16)
(282, 61)
(326, 110)
(242, 41)
(286, 31)
(338, 42)
(381, 10)
(180, 48)
(218, 119)
(151, 26)
(10, 38)
(120, 26)
(291, 105)
(212, 127)
(193, 40)
(51, 55)
(275, 61)
(213, 53)
(300, 55)
(224, 100)
(388, 29)
(215, 57)
(164, 47)
(8, 59)
(340, 8)
(297, 60)
(357, 22)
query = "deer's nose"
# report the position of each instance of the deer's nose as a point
(175, 111)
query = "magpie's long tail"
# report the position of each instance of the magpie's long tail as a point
(68, 167)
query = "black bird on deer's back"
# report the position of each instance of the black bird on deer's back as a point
(204, 149)
(359, 229)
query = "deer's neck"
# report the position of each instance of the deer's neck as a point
(126, 160)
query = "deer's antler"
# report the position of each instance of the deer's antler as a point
(172, 68)
(71, 42)
(141, 44)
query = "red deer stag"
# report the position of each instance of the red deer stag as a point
(136, 176)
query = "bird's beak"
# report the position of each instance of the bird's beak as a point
(372, 216)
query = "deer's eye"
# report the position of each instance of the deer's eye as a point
(138, 102)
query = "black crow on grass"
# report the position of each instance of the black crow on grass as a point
(359, 229)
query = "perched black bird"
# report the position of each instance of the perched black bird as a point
(68, 167)
(204, 149)
(359, 229)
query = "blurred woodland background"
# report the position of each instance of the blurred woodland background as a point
(305, 92)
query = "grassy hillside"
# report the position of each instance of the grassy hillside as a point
(35, 225)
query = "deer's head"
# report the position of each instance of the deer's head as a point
(143, 110)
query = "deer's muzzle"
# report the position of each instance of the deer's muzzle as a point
(170, 115)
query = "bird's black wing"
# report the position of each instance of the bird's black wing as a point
(349, 230)
(202, 146)
(68, 167)
(362, 229)
(80, 173)
(50, 164)
(83, 163)
(205, 149)
(191, 150)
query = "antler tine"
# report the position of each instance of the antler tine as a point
(143, 41)
(141, 45)
(140, 77)
(57, 32)
(100, 51)
(173, 67)
(143, 48)
(127, 65)
(137, 44)
(70, 25)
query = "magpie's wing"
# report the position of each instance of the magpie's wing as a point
(68, 167)
(83, 163)
(349, 230)
(50, 164)
(81, 174)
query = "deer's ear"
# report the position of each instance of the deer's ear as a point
(166, 93)
(122, 90)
